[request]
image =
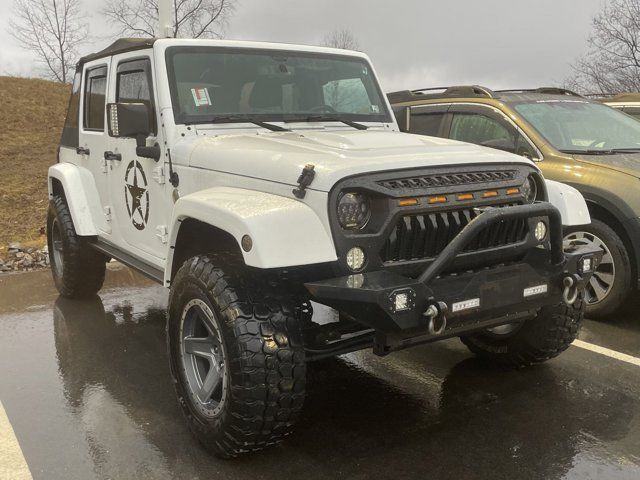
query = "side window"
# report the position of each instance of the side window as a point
(426, 123)
(347, 96)
(94, 98)
(134, 86)
(633, 111)
(72, 121)
(524, 149)
(482, 130)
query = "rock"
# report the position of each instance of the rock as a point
(27, 261)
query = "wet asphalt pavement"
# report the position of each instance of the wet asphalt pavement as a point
(87, 389)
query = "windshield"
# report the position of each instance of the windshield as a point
(210, 84)
(582, 127)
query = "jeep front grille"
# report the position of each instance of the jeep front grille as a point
(423, 236)
(449, 180)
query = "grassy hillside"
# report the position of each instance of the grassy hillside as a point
(32, 113)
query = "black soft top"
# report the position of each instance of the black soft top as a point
(122, 45)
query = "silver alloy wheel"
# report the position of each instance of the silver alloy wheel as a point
(203, 356)
(502, 330)
(601, 283)
(58, 248)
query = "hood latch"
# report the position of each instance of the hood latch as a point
(304, 180)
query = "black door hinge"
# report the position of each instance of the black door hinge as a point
(304, 180)
(174, 179)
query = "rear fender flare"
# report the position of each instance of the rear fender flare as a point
(80, 193)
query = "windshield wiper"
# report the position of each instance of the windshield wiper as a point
(589, 152)
(329, 118)
(242, 118)
(627, 150)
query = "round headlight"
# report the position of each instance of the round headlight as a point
(354, 211)
(530, 189)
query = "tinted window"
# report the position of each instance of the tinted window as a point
(426, 124)
(482, 130)
(633, 111)
(94, 102)
(72, 122)
(134, 85)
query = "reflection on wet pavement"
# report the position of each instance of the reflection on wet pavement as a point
(87, 388)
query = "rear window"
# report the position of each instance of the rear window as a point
(426, 124)
(95, 98)
(72, 122)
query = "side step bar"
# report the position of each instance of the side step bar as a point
(129, 260)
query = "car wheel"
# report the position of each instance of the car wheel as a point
(78, 270)
(611, 282)
(236, 354)
(531, 341)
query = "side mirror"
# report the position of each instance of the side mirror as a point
(128, 120)
(131, 120)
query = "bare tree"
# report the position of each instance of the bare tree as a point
(612, 62)
(341, 38)
(191, 18)
(52, 30)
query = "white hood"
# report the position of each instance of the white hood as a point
(336, 154)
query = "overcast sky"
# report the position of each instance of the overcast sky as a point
(413, 43)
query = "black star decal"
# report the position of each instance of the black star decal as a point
(136, 193)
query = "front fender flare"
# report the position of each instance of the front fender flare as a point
(572, 205)
(285, 232)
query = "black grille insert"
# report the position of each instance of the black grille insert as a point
(417, 237)
(449, 180)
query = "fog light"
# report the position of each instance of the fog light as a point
(355, 259)
(402, 300)
(587, 265)
(541, 231)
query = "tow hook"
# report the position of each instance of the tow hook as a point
(572, 285)
(436, 318)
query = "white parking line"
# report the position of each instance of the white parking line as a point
(623, 357)
(13, 466)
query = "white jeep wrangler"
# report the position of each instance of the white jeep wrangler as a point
(252, 179)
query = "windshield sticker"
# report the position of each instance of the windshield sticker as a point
(375, 108)
(201, 97)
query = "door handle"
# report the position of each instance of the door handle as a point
(83, 151)
(112, 156)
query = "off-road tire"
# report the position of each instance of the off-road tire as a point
(622, 283)
(537, 340)
(265, 362)
(82, 272)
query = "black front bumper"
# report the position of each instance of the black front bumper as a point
(471, 300)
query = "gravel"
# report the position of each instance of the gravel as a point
(19, 259)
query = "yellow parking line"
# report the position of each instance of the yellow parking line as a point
(623, 357)
(13, 466)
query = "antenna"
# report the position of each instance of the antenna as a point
(165, 10)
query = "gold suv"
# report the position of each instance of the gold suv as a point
(574, 140)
